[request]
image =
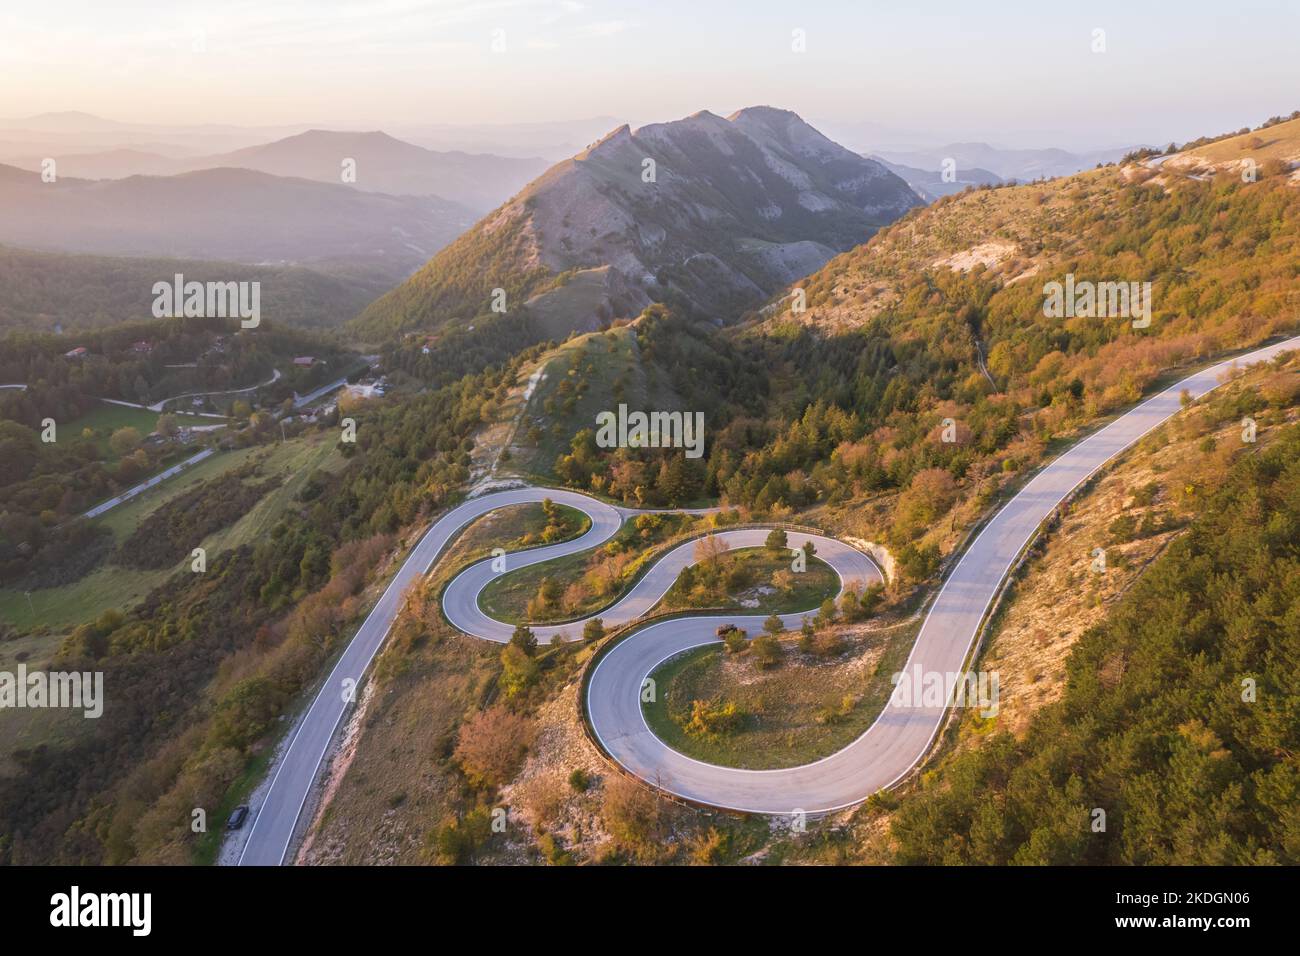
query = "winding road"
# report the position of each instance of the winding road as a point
(897, 741)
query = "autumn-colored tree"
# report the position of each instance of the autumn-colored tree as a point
(491, 746)
(633, 816)
(710, 549)
(125, 440)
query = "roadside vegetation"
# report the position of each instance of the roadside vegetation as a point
(1175, 719)
(758, 580)
(914, 381)
(225, 653)
(578, 585)
(777, 699)
(517, 527)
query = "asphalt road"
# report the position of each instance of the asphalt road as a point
(274, 821)
(144, 486)
(460, 600)
(299, 402)
(894, 744)
(901, 735)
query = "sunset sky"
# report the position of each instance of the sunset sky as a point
(1011, 72)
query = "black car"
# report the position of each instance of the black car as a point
(237, 818)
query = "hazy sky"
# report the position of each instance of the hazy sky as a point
(1008, 71)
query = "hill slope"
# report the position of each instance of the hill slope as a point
(387, 165)
(1274, 146)
(42, 291)
(710, 212)
(930, 184)
(1019, 164)
(234, 214)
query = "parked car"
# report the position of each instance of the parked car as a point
(237, 818)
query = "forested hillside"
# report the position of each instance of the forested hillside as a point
(893, 341)
(1178, 718)
(101, 449)
(42, 291)
(146, 362)
(202, 669)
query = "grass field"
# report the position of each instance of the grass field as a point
(515, 528)
(757, 565)
(506, 597)
(109, 586)
(58, 610)
(107, 418)
(585, 376)
(803, 709)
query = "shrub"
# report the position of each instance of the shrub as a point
(734, 638)
(708, 718)
(518, 670)
(491, 746)
(524, 639)
(632, 815)
(767, 651)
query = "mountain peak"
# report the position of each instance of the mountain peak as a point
(734, 210)
(614, 138)
(374, 134)
(764, 113)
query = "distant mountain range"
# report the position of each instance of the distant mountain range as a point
(380, 163)
(709, 212)
(387, 165)
(1021, 165)
(552, 139)
(78, 132)
(233, 214)
(930, 184)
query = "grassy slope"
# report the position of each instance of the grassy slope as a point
(800, 711)
(814, 585)
(610, 366)
(1059, 597)
(60, 609)
(513, 528)
(507, 596)
(1277, 142)
(113, 587)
